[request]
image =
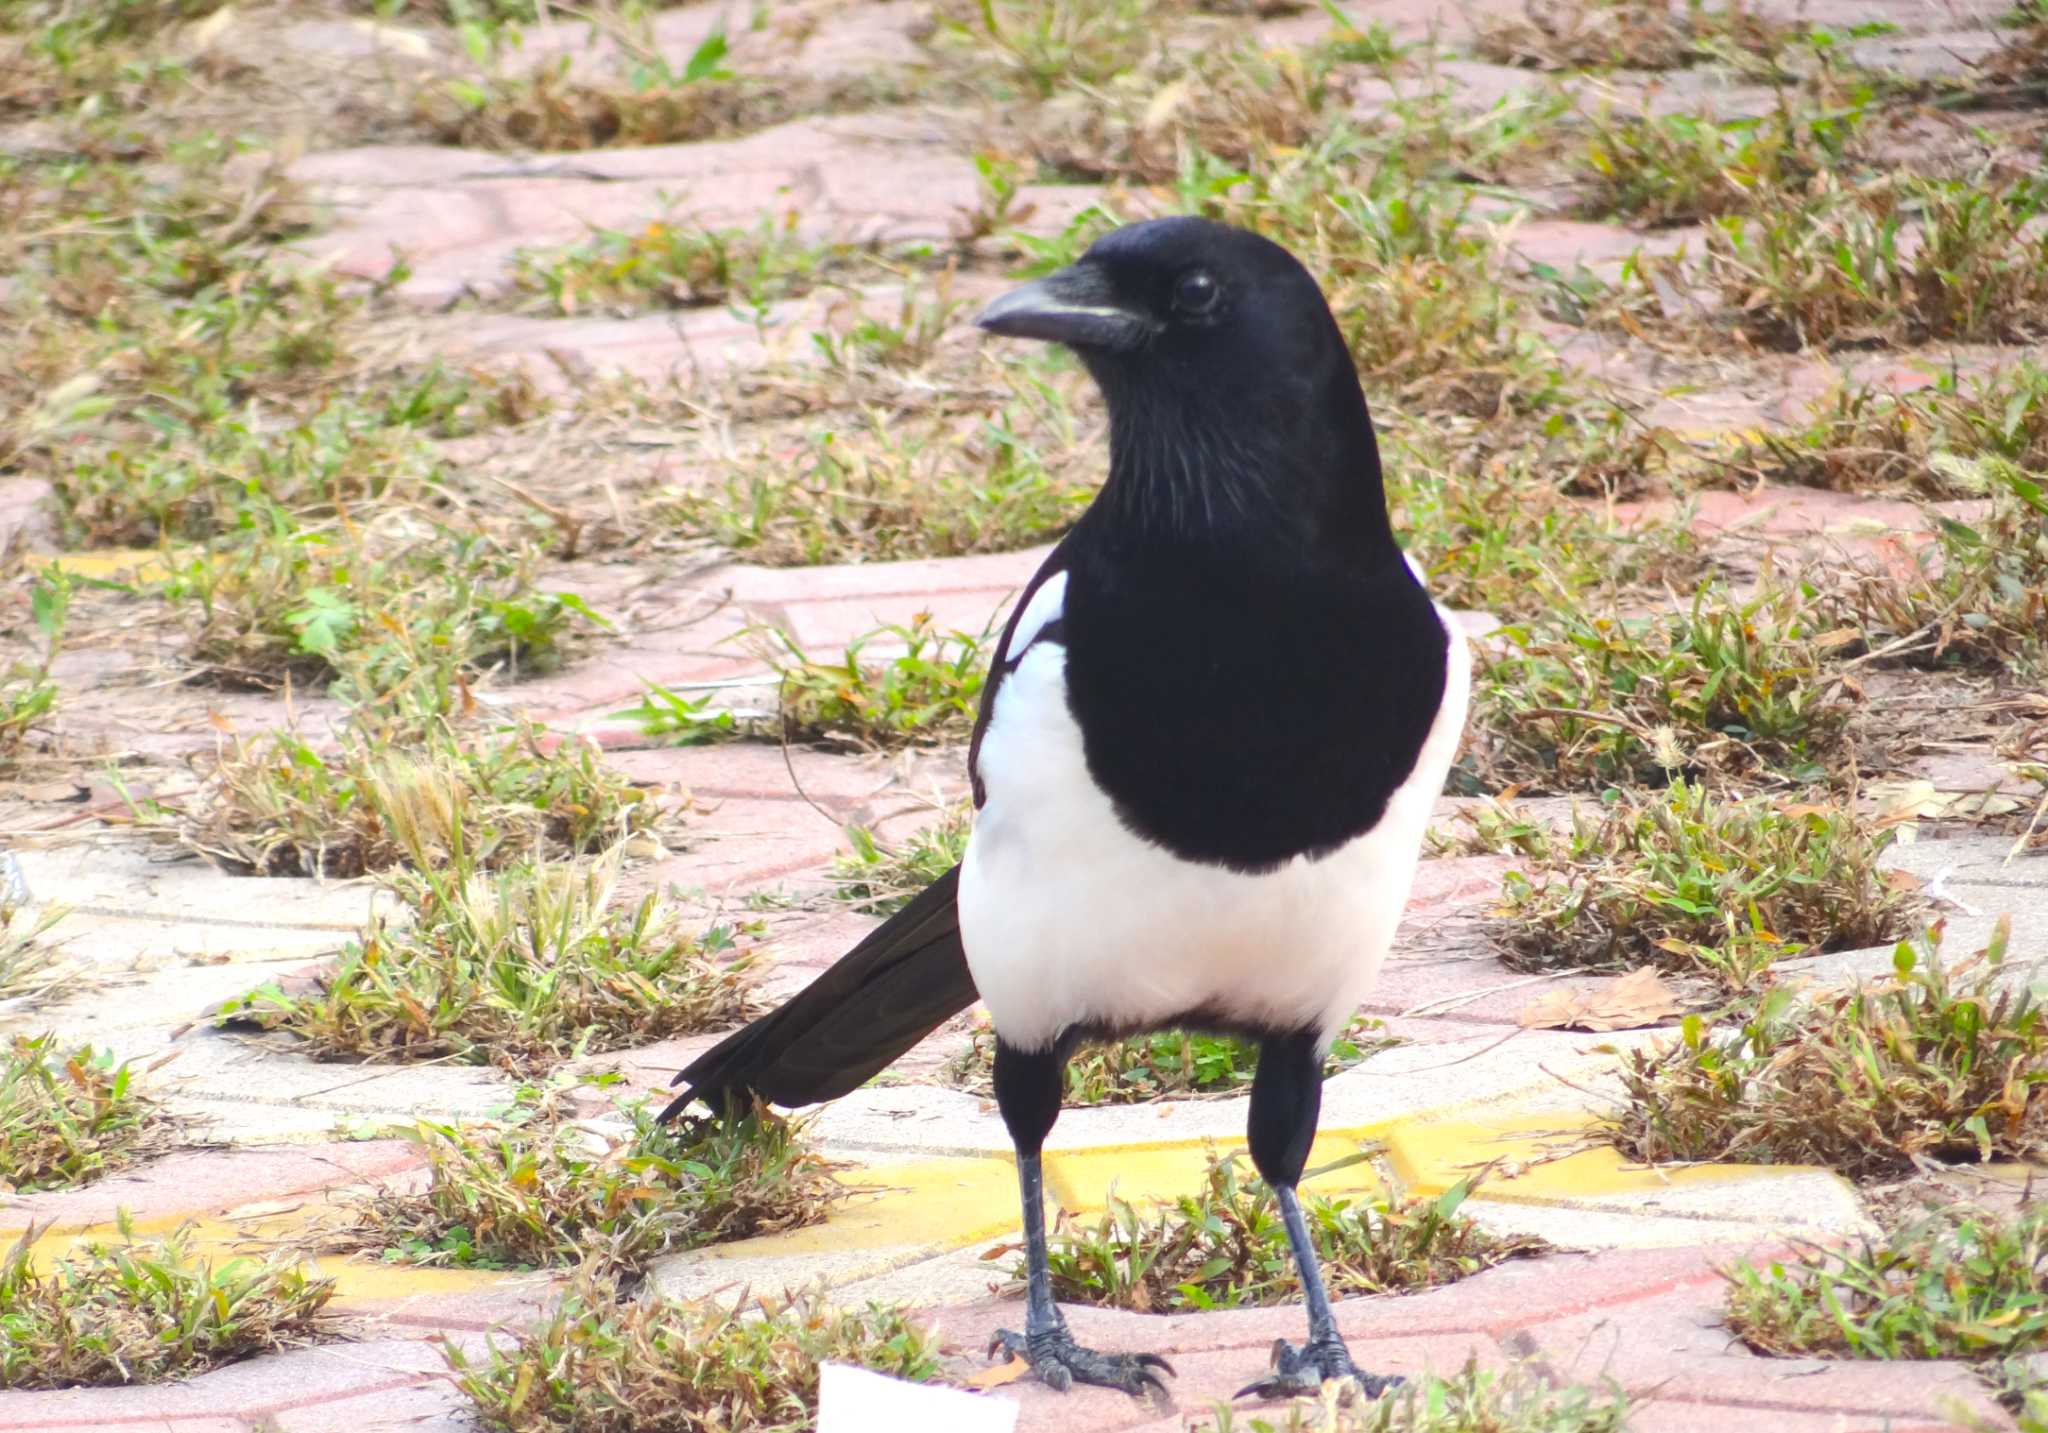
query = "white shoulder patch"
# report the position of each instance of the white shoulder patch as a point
(1044, 608)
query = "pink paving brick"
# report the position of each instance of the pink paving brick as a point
(254, 1389)
(212, 1181)
(1675, 1341)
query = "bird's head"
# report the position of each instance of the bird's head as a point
(1225, 374)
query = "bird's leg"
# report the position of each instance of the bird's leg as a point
(1287, 1095)
(1030, 1102)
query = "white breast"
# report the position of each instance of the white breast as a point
(1068, 918)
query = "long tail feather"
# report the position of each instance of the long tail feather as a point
(880, 998)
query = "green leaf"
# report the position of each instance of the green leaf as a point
(705, 62)
(323, 621)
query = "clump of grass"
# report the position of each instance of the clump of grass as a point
(1493, 827)
(1684, 879)
(2018, 68)
(1163, 1065)
(890, 489)
(146, 1312)
(70, 1116)
(1627, 34)
(29, 968)
(1864, 438)
(199, 476)
(606, 1363)
(539, 1189)
(669, 265)
(1933, 1063)
(27, 694)
(1898, 259)
(1474, 1400)
(1230, 102)
(1497, 532)
(1227, 1248)
(928, 693)
(1955, 1283)
(550, 108)
(419, 611)
(1573, 698)
(880, 879)
(521, 969)
(1976, 596)
(279, 807)
(186, 484)
(1682, 168)
(1042, 48)
(146, 302)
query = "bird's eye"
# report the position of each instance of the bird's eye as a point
(1196, 292)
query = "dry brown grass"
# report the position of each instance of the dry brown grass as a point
(71, 1116)
(144, 1312)
(1227, 1248)
(1626, 34)
(1939, 1061)
(607, 1363)
(541, 1189)
(521, 969)
(280, 806)
(1690, 881)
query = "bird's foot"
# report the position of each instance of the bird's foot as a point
(1304, 1370)
(1062, 1363)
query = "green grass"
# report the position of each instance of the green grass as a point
(1682, 168)
(927, 693)
(539, 1189)
(1696, 882)
(70, 1116)
(278, 806)
(28, 695)
(1952, 1283)
(1044, 47)
(892, 485)
(1975, 597)
(673, 265)
(605, 1362)
(1226, 1248)
(1937, 1062)
(1498, 532)
(1229, 99)
(146, 301)
(522, 968)
(653, 97)
(1864, 438)
(1520, 1399)
(880, 879)
(146, 1312)
(29, 968)
(1628, 34)
(1834, 268)
(1581, 698)
(1164, 1065)
(404, 613)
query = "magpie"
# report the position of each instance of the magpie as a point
(1205, 755)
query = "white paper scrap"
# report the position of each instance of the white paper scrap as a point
(858, 1400)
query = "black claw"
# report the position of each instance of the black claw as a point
(1060, 1363)
(1301, 1372)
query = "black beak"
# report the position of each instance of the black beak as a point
(1073, 306)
